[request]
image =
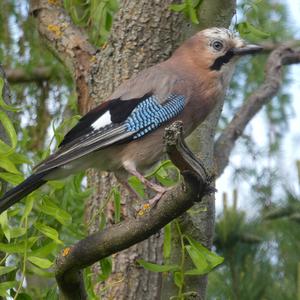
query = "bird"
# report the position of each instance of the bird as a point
(124, 134)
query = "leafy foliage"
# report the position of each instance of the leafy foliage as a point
(204, 260)
(261, 254)
(189, 8)
(30, 232)
(95, 16)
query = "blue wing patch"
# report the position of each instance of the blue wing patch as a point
(131, 119)
(150, 114)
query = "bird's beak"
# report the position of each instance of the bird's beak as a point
(247, 49)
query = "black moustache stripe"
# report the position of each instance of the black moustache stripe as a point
(222, 60)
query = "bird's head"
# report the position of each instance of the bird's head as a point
(222, 47)
(216, 50)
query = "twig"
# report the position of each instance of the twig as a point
(38, 74)
(283, 55)
(129, 232)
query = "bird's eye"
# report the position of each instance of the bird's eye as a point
(217, 45)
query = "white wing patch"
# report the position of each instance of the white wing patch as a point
(104, 120)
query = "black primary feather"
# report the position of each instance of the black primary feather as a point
(119, 111)
(20, 191)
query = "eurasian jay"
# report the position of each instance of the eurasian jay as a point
(126, 131)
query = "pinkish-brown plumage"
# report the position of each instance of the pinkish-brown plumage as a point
(126, 131)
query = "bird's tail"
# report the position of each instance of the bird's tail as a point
(20, 191)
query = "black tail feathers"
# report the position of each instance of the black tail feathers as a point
(20, 191)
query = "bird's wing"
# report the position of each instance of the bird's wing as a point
(114, 122)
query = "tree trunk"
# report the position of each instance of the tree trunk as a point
(145, 33)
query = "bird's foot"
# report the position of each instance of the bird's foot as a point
(153, 201)
(160, 191)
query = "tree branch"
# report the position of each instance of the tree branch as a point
(38, 74)
(129, 232)
(270, 46)
(283, 55)
(66, 40)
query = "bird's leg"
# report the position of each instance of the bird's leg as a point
(128, 186)
(160, 190)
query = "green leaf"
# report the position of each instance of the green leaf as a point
(13, 211)
(117, 205)
(163, 173)
(246, 28)
(48, 231)
(212, 258)
(8, 165)
(113, 5)
(195, 272)
(40, 262)
(106, 268)
(178, 279)
(102, 222)
(157, 268)
(167, 241)
(5, 270)
(56, 184)
(242, 28)
(137, 185)
(40, 272)
(51, 294)
(4, 286)
(13, 248)
(17, 232)
(23, 296)
(31, 241)
(192, 12)
(19, 158)
(2, 103)
(28, 206)
(178, 7)
(45, 250)
(5, 226)
(5, 150)
(49, 208)
(9, 128)
(198, 259)
(197, 3)
(14, 179)
(163, 178)
(18, 247)
(257, 32)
